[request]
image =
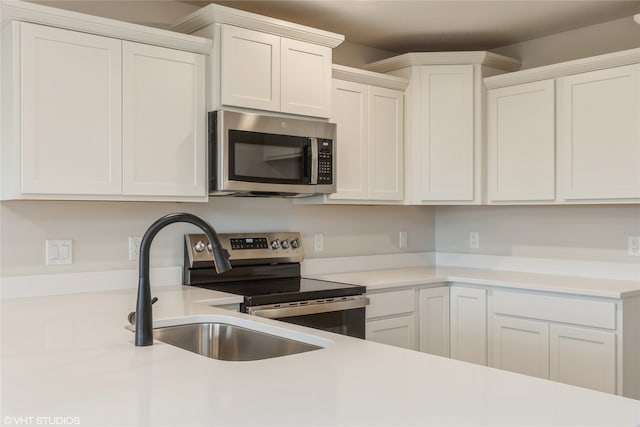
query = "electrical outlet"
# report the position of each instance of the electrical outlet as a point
(633, 245)
(474, 240)
(134, 248)
(318, 242)
(402, 240)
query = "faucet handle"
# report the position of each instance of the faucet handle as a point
(132, 316)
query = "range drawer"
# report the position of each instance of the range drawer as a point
(391, 303)
(594, 313)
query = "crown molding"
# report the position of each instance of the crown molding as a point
(615, 59)
(14, 10)
(357, 75)
(216, 14)
(445, 58)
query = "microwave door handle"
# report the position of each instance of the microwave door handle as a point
(314, 161)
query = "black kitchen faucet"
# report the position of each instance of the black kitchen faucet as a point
(144, 318)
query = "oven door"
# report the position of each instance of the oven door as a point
(344, 315)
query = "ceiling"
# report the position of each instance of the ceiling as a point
(429, 25)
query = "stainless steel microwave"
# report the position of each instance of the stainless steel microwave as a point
(259, 155)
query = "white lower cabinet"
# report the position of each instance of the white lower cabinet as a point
(469, 324)
(396, 331)
(434, 320)
(583, 357)
(564, 338)
(391, 318)
(521, 345)
(586, 341)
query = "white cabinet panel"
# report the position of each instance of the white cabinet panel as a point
(391, 303)
(351, 114)
(469, 324)
(396, 331)
(434, 320)
(306, 78)
(268, 72)
(370, 123)
(164, 124)
(447, 133)
(520, 345)
(250, 68)
(386, 113)
(583, 357)
(599, 134)
(71, 117)
(521, 149)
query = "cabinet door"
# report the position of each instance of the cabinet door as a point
(71, 119)
(250, 68)
(469, 324)
(434, 320)
(396, 331)
(386, 122)
(599, 136)
(520, 345)
(350, 113)
(521, 154)
(164, 124)
(447, 134)
(306, 78)
(583, 357)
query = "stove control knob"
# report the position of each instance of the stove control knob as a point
(199, 246)
(209, 248)
(285, 244)
(275, 244)
(295, 244)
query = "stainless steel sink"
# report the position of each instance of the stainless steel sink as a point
(229, 342)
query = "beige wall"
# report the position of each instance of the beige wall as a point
(592, 233)
(100, 230)
(598, 39)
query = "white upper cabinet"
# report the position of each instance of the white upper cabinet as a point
(70, 112)
(164, 124)
(351, 113)
(368, 109)
(447, 134)
(386, 113)
(264, 63)
(566, 133)
(444, 122)
(94, 117)
(250, 68)
(521, 148)
(267, 72)
(306, 78)
(599, 134)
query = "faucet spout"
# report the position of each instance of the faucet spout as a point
(144, 318)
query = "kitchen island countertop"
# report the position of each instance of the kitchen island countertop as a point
(71, 357)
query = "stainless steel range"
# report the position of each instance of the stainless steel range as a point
(266, 272)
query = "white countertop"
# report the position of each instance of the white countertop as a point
(413, 276)
(70, 356)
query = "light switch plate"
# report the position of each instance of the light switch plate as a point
(59, 252)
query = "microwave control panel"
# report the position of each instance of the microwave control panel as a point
(325, 161)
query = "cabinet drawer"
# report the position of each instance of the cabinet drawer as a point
(598, 314)
(390, 303)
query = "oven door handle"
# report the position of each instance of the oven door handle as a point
(311, 308)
